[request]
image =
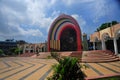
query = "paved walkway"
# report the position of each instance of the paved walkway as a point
(99, 70)
(26, 68)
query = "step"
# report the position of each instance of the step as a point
(91, 61)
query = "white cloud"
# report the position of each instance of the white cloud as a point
(36, 12)
(34, 32)
(28, 12)
(71, 2)
(100, 9)
(56, 13)
(80, 20)
(96, 8)
(33, 18)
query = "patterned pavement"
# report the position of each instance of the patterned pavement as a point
(26, 68)
(99, 70)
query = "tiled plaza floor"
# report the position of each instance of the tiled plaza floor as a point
(26, 68)
(99, 70)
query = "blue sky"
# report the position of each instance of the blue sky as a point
(30, 20)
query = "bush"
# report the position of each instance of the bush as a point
(1, 51)
(49, 57)
(67, 69)
(55, 55)
(15, 51)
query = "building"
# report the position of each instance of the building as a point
(64, 34)
(33, 48)
(7, 45)
(85, 42)
(108, 38)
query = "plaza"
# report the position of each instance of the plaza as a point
(87, 31)
(37, 68)
(65, 38)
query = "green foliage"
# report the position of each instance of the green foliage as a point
(55, 55)
(12, 50)
(49, 57)
(114, 22)
(84, 66)
(106, 25)
(1, 51)
(15, 51)
(67, 69)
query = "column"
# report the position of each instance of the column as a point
(93, 45)
(34, 48)
(103, 45)
(115, 46)
(29, 48)
(19, 50)
(24, 48)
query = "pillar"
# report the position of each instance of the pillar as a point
(24, 48)
(103, 45)
(29, 48)
(85, 42)
(115, 46)
(93, 45)
(34, 48)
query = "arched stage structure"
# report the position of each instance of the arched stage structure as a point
(64, 34)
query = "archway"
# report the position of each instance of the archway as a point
(108, 42)
(97, 44)
(118, 44)
(68, 38)
(118, 41)
(58, 32)
(110, 45)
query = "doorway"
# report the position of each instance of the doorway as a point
(68, 40)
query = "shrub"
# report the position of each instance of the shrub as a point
(15, 51)
(67, 69)
(55, 55)
(49, 57)
(1, 51)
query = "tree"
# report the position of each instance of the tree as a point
(21, 42)
(15, 51)
(106, 25)
(9, 40)
(114, 22)
(1, 51)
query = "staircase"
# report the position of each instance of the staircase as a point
(85, 56)
(26, 54)
(42, 55)
(92, 56)
(98, 56)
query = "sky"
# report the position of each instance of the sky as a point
(30, 20)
